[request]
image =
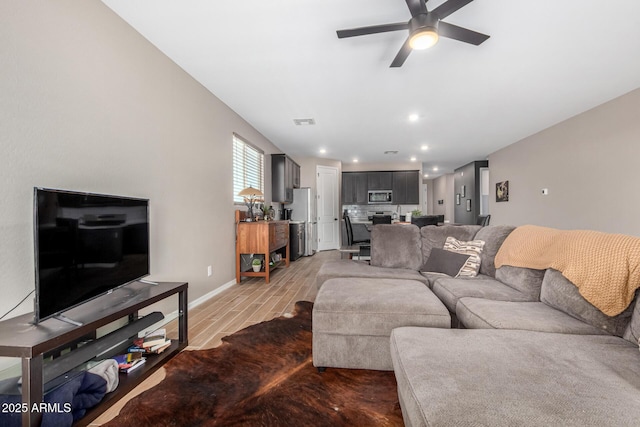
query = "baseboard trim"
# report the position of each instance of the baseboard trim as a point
(204, 298)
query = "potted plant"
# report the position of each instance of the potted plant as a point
(256, 264)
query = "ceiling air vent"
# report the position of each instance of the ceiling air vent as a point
(391, 152)
(303, 122)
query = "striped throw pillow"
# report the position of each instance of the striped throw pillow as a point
(473, 248)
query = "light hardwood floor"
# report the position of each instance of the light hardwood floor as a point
(245, 304)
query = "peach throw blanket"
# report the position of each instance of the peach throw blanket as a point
(605, 267)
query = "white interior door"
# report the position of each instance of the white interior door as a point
(328, 208)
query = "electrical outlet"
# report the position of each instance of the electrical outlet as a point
(209, 271)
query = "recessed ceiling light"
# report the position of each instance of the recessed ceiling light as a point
(435, 169)
(355, 160)
(426, 175)
(424, 147)
(413, 117)
(413, 159)
(322, 151)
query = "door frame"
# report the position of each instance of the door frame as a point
(336, 229)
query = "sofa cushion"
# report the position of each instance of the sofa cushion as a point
(374, 307)
(434, 236)
(492, 236)
(526, 280)
(515, 378)
(349, 268)
(450, 290)
(558, 292)
(447, 262)
(472, 248)
(632, 331)
(431, 277)
(478, 313)
(396, 246)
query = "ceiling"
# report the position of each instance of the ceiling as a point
(276, 61)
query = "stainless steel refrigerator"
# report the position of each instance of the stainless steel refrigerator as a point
(303, 208)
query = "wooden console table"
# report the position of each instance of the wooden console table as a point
(263, 238)
(19, 337)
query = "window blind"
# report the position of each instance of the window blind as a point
(248, 167)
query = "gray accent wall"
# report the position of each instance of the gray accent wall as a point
(589, 164)
(88, 104)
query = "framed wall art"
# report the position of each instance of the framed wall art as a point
(468, 205)
(457, 198)
(502, 191)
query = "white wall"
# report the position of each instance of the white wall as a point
(589, 163)
(88, 104)
(443, 190)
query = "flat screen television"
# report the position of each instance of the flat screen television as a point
(85, 246)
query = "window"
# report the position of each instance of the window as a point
(248, 167)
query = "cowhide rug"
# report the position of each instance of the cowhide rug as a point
(263, 376)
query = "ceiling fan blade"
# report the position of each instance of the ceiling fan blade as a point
(461, 34)
(402, 55)
(417, 6)
(447, 8)
(374, 29)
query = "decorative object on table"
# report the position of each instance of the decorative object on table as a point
(502, 191)
(457, 198)
(251, 196)
(463, 190)
(267, 212)
(256, 264)
(240, 381)
(416, 212)
(468, 205)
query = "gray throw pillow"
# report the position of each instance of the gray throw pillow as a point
(447, 262)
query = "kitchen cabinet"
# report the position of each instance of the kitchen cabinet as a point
(379, 180)
(285, 176)
(354, 188)
(406, 187)
(404, 184)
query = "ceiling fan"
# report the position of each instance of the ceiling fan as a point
(424, 28)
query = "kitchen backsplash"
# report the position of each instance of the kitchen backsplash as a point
(362, 212)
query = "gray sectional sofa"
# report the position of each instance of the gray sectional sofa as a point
(526, 349)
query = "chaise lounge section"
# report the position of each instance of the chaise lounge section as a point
(531, 349)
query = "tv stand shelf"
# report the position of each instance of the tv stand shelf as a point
(19, 337)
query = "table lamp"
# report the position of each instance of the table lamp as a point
(251, 195)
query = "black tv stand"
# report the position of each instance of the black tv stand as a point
(19, 337)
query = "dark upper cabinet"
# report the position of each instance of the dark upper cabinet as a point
(379, 180)
(406, 187)
(354, 188)
(285, 176)
(404, 184)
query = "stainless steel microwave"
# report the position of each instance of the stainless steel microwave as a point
(380, 196)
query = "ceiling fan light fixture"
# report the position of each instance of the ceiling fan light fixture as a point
(423, 38)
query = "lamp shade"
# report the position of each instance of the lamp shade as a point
(251, 192)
